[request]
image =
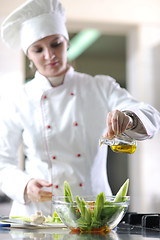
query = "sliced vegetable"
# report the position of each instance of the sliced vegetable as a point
(91, 215)
(50, 219)
(54, 219)
(23, 218)
(38, 218)
(85, 218)
(69, 199)
(67, 192)
(122, 192)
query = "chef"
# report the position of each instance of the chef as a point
(60, 116)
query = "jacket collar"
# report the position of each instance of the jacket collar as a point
(40, 84)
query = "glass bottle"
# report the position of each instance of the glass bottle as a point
(120, 144)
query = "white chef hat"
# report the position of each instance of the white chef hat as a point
(33, 21)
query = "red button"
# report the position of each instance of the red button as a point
(78, 155)
(44, 96)
(72, 94)
(75, 124)
(56, 186)
(80, 184)
(54, 157)
(48, 126)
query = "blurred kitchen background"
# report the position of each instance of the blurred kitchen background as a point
(123, 41)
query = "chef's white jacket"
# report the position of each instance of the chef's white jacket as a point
(60, 128)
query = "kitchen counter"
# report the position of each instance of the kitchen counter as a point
(123, 232)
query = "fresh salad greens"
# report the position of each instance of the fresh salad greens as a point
(50, 219)
(120, 196)
(54, 219)
(23, 218)
(87, 215)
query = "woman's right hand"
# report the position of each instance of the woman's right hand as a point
(117, 122)
(35, 192)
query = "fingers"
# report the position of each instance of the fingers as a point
(35, 192)
(43, 183)
(43, 196)
(110, 131)
(117, 122)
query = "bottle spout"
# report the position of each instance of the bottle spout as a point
(120, 144)
(105, 141)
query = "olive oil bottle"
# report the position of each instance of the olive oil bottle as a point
(120, 144)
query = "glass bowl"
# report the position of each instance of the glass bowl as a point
(88, 216)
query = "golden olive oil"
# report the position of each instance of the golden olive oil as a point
(123, 148)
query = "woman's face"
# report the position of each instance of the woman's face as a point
(49, 55)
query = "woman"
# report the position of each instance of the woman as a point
(60, 115)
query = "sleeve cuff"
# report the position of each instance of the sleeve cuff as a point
(138, 130)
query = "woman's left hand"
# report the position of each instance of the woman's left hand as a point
(35, 192)
(117, 122)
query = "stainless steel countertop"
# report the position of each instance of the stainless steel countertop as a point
(122, 233)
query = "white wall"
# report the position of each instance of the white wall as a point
(11, 68)
(131, 12)
(143, 82)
